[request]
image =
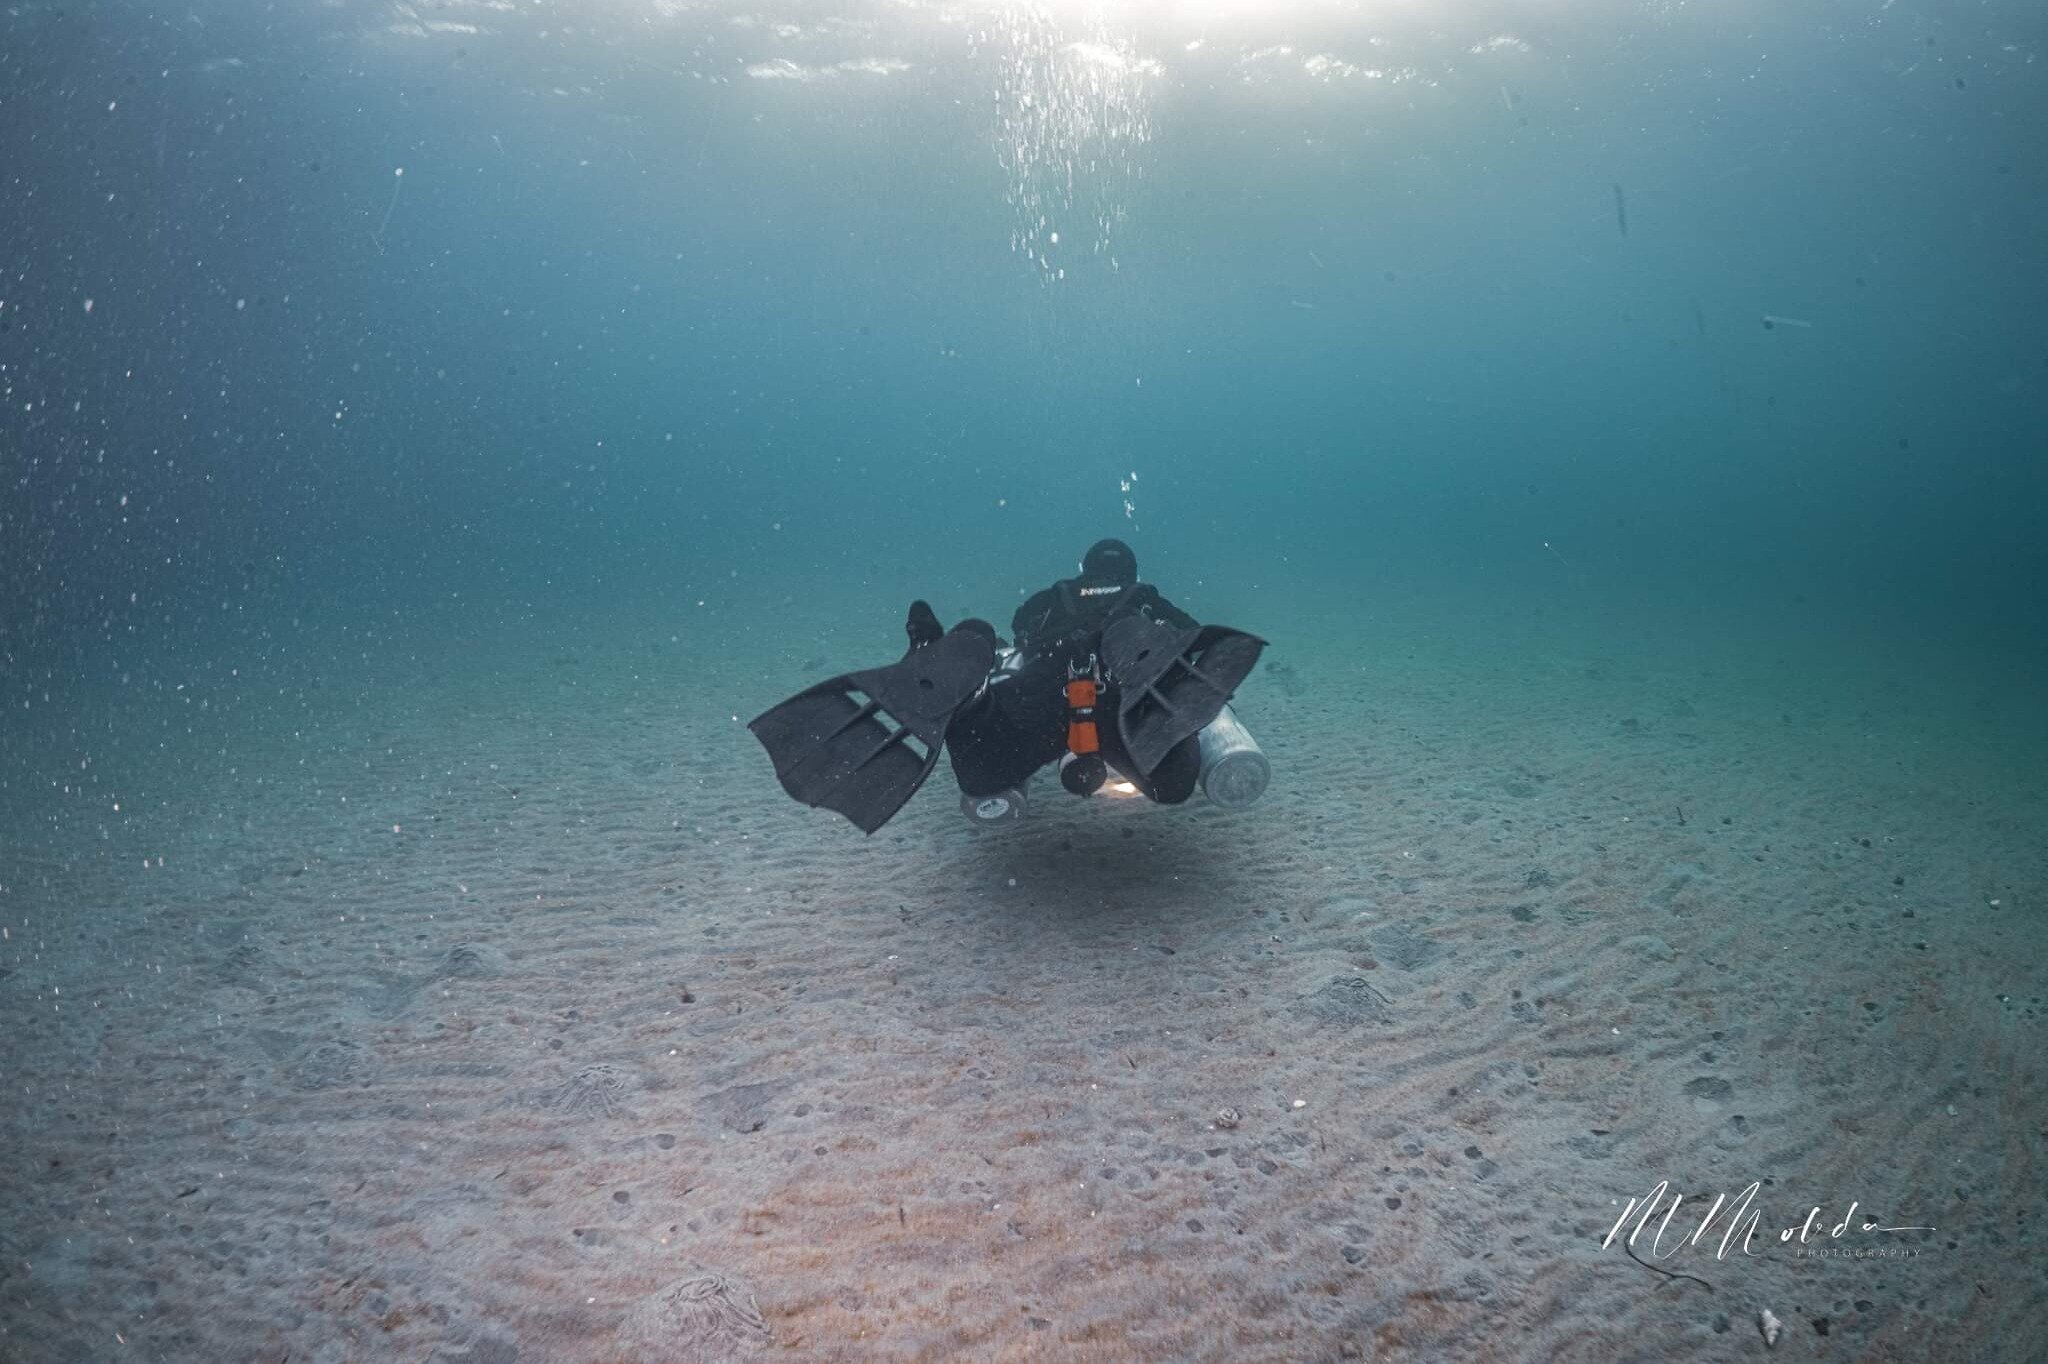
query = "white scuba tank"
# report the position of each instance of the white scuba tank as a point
(1235, 772)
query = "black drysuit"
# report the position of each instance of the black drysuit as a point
(1019, 722)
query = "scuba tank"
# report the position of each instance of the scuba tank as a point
(1235, 772)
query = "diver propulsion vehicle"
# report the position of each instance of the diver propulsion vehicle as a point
(863, 743)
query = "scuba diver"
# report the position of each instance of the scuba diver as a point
(1022, 722)
(1104, 674)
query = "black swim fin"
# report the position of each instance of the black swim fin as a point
(922, 625)
(862, 743)
(1171, 681)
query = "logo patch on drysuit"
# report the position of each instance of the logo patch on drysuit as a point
(1100, 591)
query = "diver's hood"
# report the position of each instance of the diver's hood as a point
(1111, 560)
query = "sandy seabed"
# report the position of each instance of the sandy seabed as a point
(491, 1005)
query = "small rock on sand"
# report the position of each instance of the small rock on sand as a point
(1650, 947)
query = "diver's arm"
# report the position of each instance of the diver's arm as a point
(1029, 623)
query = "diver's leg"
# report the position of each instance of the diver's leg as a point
(922, 625)
(1012, 729)
(1172, 781)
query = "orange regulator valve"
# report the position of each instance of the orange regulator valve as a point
(1081, 735)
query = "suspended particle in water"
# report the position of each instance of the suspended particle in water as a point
(397, 184)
